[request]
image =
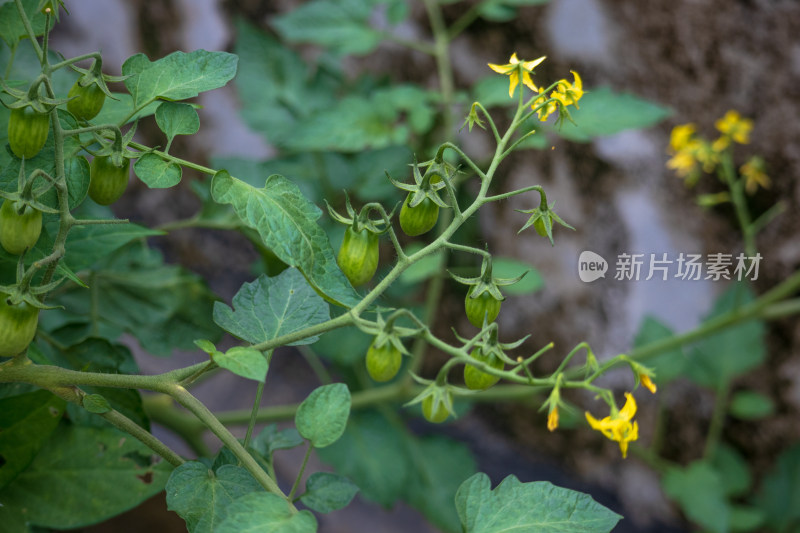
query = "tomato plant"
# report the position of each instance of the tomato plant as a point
(27, 131)
(419, 219)
(17, 325)
(484, 305)
(85, 102)
(108, 181)
(19, 231)
(358, 256)
(476, 379)
(437, 413)
(383, 363)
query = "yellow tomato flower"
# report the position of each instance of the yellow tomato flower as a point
(513, 69)
(618, 427)
(755, 175)
(569, 94)
(735, 127)
(683, 163)
(648, 383)
(544, 112)
(680, 136)
(552, 419)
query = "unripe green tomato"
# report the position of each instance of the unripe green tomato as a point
(383, 363)
(27, 131)
(108, 181)
(538, 225)
(418, 219)
(87, 101)
(19, 232)
(437, 417)
(358, 256)
(17, 326)
(476, 379)
(483, 304)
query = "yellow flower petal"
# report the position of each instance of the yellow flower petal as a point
(648, 383)
(629, 409)
(552, 419)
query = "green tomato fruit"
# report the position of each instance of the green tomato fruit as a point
(383, 363)
(19, 232)
(85, 102)
(437, 417)
(108, 181)
(27, 131)
(17, 326)
(538, 225)
(358, 256)
(476, 379)
(476, 308)
(418, 219)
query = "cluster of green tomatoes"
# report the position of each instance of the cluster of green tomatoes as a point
(21, 212)
(358, 259)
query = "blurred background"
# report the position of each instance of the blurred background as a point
(693, 59)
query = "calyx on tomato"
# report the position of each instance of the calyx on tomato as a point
(21, 215)
(88, 93)
(420, 209)
(542, 218)
(19, 317)
(20, 226)
(476, 379)
(483, 300)
(359, 254)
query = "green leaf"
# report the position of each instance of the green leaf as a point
(605, 112)
(779, 497)
(733, 471)
(156, 172)
(164, 307)
(441, 465)
(667, 365)
(503, 267)
(276, 87)
(262, 512)
(719, 358)
(12, 30)
(201, 496)
(505, 10)
(78, 177)
(746, 518)
(270, 307)
(751, 405)
(244, 361)
(121, 108)
(177, 119)
(82, 476)
(382, 118)
(536, 507)
(177, 76)
(373, 453)
(26, 422)
(271, 439)
(285, 220)
(701, 494)
(95, 403)
(87, 244)
(326, 492)
(322, 417)
(342, 26)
